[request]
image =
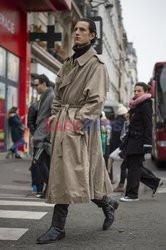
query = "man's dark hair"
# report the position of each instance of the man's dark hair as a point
(143, 85)
(43, 78)
(92, 27)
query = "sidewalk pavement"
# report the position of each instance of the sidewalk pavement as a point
(15, 177)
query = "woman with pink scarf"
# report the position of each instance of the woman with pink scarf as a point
(138, 142)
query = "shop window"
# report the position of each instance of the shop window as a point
(12, 97)
(2, 62)
(9, 79)
(2, 116)
(13, 67)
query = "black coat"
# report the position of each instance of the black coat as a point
(32, 117)
(117, 126)
(140, 129)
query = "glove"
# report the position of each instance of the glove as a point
(147, 148)
(121, 155)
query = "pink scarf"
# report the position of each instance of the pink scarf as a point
(134, 102)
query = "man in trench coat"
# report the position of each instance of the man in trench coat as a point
(77, 171)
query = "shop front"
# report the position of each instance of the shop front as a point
(14, 65)
(15, 57)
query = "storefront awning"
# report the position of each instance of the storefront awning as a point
(44, 5)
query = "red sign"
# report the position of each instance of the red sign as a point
(13, 27)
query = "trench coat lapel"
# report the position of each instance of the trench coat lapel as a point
(67, 79)
(86, 57)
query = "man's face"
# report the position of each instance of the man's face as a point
(82, 34)
(38, 86)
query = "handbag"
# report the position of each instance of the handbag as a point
(115, 154)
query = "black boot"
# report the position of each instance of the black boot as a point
(56, 231)
(109, 207)
(52, 235)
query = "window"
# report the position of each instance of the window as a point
(2, 62)
(13, 67)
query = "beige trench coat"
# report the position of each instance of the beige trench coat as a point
(77, 171)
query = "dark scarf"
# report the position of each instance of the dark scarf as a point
(79, 51)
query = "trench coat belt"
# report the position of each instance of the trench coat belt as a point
(63, 112)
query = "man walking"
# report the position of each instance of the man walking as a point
(78, 173)
(41, 137)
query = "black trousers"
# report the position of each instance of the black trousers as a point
(123, 172)
(136, 173)
(61, 211)
(41, 168)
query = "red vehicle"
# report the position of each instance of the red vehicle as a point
(158, 84)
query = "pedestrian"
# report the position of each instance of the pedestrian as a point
(41, 137)
(17, 132)
(115, 139)
(137, 143)
(78, 173)
(123, 168)
(105, 136)
(37, 181)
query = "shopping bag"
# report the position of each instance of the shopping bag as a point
(115, 155)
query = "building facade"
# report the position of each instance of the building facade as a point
(115, 51)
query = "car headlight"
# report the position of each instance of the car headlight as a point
(162, 143)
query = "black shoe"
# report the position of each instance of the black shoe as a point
(10, 154)
(155, 190)
(109, 207)
(52, 235)
(18, 157)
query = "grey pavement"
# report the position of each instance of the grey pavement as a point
(138, 225)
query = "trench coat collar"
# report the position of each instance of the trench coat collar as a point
(86, 56)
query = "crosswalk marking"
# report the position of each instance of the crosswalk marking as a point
(162, 190)
(14, 187)
(18, 196)
(24, 203)
(11, 233)
(12, 214)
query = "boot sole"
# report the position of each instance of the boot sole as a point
(51, 241)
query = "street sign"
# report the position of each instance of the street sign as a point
(50, 37)
(99, 26)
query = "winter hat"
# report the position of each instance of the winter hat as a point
(122, 110)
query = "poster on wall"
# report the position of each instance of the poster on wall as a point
(2, 62)
(13, 67)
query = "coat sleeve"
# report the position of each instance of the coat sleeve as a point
(95, 93)
(147, 120)
(17, 120)
(56, 104)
